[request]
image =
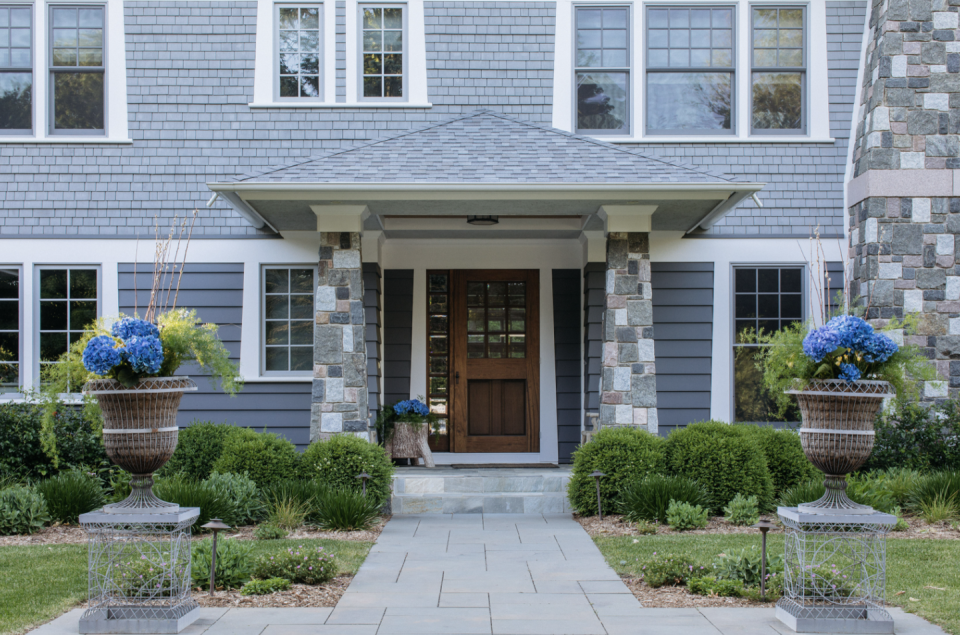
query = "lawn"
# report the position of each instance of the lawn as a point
(38, 583)
(925, 571)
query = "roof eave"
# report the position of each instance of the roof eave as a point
(546, 188)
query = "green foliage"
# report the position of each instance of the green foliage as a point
(645, 527)
(649, 499)
(22, 511)
(896, 481)
(70, 494)
(269, 531)
(265, 587)
(684, 516)
(623, 455)
(287, 513)
(297, 564)
(860, 490)
(725, 459)
(243, 495)
(302, 491)
(917, 436)
(263, 457)
(902, 525)
(340, 508)
(387, 420)
(338, 460)
(22, 453)
(936, 497)
(742, 510)
(716, 588)
(144, 576)
(785, 458)
(234, 563)
(805, 492)
(670, 570)
(746, 566)
(199, 446)
(187, 492)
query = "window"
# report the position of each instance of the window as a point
(690, 70)
(299, 43)
(9, 330)
(288, 316)
(765, 299)
(69, 304)
(778, 70)
(496, 320)
(603, 70)
(16, 70)
(438, 356)
(77, 69)
(383, 58)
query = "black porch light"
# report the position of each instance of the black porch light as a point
(764, 526)
(363, 476)
(597, 475)
(483, 220)
(216, 525)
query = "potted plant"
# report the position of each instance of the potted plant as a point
(404, 427)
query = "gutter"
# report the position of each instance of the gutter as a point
(492, 187)
(248, 213)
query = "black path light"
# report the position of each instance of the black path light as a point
(363, 476)
(597, 475)
(216, 525)
(764, 526)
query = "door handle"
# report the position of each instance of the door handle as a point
(457, 377)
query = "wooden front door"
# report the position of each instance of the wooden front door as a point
(496, 360)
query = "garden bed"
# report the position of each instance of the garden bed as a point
(678, 597)
(297, 596)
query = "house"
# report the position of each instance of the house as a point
(436, 198)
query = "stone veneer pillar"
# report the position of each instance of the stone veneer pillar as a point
(628, 392)
(339, 401)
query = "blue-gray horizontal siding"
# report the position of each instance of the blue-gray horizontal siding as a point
(567, 344)
(683, 341)
(594, 299)
(397, 334)
(216, 292)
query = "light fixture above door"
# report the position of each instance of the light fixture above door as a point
(483, 220)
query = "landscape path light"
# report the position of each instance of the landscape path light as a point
(363, 476)
(764, 526)
(597, 475)
(216, 525)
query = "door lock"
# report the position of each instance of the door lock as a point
(457, 377)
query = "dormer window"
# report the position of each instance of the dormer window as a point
(299, 52)
(383, 58)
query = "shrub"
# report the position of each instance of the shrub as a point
(623, 455)
(21, 451)
(70, 494)
(786, 461)
(264, 587)
(243, 495)
(714, 587)
(724, 459)
(299, 565)
(942, 485)
(671, 570)
(645, 527)
(859, 491)
(805, 492)
(941, 507)
(199, 446)
(684, 516)
(305, 492)
(649, 499)
(746, 566)
(338, 460)
(902, 525)
(269, 531)
(287, 513)
(263, 457)
(339, 508)
(22, 511)
(234, 563)
(897, 481)
(917, 436)
(187, 492)
(742, 510)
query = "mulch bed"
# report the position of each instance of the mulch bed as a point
(677, 597)
(298, 595)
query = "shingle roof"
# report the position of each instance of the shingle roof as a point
(485, 147)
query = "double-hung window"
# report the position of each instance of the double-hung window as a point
(299, 54)
(766, 299)
(288, 319)
(10, 299)
(383, 57)
(778, 70)
(16, 70)
(690, 70)
(77, 69)
(68, 305)
(603, 70)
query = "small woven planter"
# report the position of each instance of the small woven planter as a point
(410, 443)
(837, 435)
(140, 433)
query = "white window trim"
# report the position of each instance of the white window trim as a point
(262, 322)
(115, 79)
(35, 304)
(817, 78)
(276, 51)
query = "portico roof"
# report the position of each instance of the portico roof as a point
(484, 163)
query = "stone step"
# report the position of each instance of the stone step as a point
(480, 490)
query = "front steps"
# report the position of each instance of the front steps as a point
(446, 490)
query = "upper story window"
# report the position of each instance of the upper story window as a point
(299, 54)
(68, 305)
(383, 56)
(9, 330)
(602, 70)
(690, 70)
(288, 319)
(77, 69)
(16, 70)
(779, 70)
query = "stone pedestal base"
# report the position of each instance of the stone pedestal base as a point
(153, 620)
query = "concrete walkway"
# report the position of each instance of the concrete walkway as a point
(487, 574)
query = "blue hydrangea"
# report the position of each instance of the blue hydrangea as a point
(101, 355)
(849, 372)
(879, 348)
(132, 327)
(853, 331)
(145, 354)
(820, 342)
(414, 406)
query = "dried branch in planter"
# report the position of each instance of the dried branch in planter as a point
(165, 262)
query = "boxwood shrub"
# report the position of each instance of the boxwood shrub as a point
(200, 446)
(724, 458)
(23, 457)
(338, 460)
(785, 458)
(624, 455)
(263, 457)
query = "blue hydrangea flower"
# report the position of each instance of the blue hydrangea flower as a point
(101, 355)
(132, 327)
(853, 331)
(411, 405)
(145, 354)
(820, 342)
(849, 372)
(879, 348)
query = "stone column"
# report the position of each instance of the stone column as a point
(339, 402)
(628, 394)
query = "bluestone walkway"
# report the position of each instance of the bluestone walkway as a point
(487, 574)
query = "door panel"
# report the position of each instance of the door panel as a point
(496, 407)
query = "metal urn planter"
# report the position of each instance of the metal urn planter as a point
(837, 436)
(140, 434)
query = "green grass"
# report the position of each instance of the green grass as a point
(38, 583)
(913, 566)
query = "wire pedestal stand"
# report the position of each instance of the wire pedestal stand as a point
(835, 572)
(139, 572)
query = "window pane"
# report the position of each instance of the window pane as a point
(752, 402)
(289, 87)
(496, 319)
(82, 314)
(91, 17)
(373, 41)
(301, 307)
(277, 281)
(790, 281)
(602, 101)
(764, 18)
(277, 333)
(64, 17)
(276, 358)
(438, 344)
(791, 17)
(393, 64)
(9, 316)
(768, 280)
(791, 306)
(518, 346)
(438, 324)
(790, 57)
(276, 307)
(53, 283)
(52, 346)
(91, 57)
(745, 306)
(372, 18)
(65, 57)
(589, 18)
(438, 282)
(689, 101)
(289, 18)
(777, 101)
(309, 18)
(475, 347)
(438, 304)
(438, 385)
(393, 40)
(16, 94)
(301, 332)
(83, 283)
(496, 346)
(746, 280)
(393, 18)
(78, 101)
(301, 358)
(393, 86)
(9, 284)
(438, 365)
(475, 320)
